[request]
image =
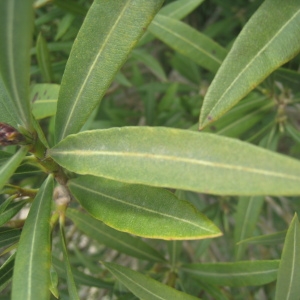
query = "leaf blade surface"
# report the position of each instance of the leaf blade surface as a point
(141, 210)
(32, 266)
(97, 55)
(267, 41)
(114, 239)
(244, 273)
(288, 274)
(16, 25)
(179, 159)
(145, 287)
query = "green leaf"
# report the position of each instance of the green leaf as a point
(8, 114)
(266, 239)
(72, 290)
(174, 250)
(11, 210)
(242, 117)
(53, 287)
(180, 8)
(179, 159)
(150, 62)
(6, 272)
(176, 10)
(188, 41)
(160, 215)
(16, 24)
(215, 292)
(9, 236)
(145, 287)
(43, 58)
(293, 132)
(6, 202)
(80, 277)
(71, 6)
(236, 274)
(288, 287)
(120, 241)
(98, 53)
(44, 100)
(267, 41)
(4, 156)
(288, 78)
(32, 267)
(8, 168)
(64, 25)
(248, 211)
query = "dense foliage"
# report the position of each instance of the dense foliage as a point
(150, 149)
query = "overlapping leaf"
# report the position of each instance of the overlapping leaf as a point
(188, 41)
(248, 210)
(244, 273)
(120, 241)
(32, 266)
(145, 287)
(16, 24)
(267, 41)
(98, 53)
(72, 290)
(289, 269)
(141, 210)
(8, 168)
(179, 159)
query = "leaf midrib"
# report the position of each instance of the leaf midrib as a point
(293, 262)
(218, 274)
(82, 153)
(142, 208)
(137, 284)
(62, 135)
(185, 40)
(32, 252)
(224, 94)
(9, 40)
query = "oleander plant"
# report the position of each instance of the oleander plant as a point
(149, 149)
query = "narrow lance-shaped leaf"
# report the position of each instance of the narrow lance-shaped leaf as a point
(32, 267)
(242, 273)
(80, 277)
(16, 24)
(179, 159)
(11, 210)
(248, 211)
(8, 169)
(43, 58)
(176, 10)
(288, 287)
(188, 41)
(145, 287)
(9, 236)
(6, 202)
(99, 51)
(70, 279)
(180, 8)
(6, 271)
(267, 41)
(8, 114)
(120, 241)
(267, 239)
(141, 210)
(150, 62)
